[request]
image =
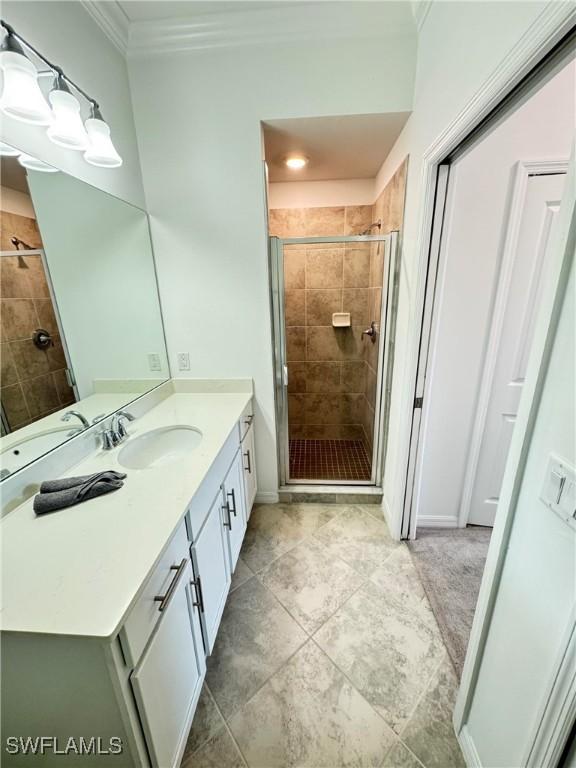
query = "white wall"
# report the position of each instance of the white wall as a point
(537, 594)
(13, 201)
(99, 257)
(312, 194)
(198, 116)
(67, 35)
(476, 224)
(460, 46)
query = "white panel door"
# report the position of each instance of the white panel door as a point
(212, 574)
(234, 508)
(541, 204)
(249, 468)
(168, 679)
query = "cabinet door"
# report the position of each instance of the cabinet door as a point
(234, 509)
(210, 561)
(249, 469)
(168, 678)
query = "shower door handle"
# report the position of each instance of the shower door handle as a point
(285, 375)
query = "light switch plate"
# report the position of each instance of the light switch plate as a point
(183, 361)
(559, 489)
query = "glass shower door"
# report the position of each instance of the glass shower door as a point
(333, 303)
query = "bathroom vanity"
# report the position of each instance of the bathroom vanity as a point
(112, 606)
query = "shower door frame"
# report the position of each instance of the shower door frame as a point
(387, 327)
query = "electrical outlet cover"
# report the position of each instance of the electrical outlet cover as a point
(183, 361)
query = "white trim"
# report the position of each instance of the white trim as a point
(524, 170)
(553, 23)
(469, 751)
(559, 711)
(269, 25)
(112, 20)
(438, 521)
(559, 260)
(266, 497)
(420, 11)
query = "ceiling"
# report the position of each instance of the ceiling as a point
(348, 147)
(13, 175)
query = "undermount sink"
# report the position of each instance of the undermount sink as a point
(159, 446)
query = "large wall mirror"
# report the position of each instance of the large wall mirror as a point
(81, 331)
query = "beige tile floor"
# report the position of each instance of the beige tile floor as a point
(328, 654)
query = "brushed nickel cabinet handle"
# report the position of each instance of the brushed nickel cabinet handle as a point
(233, 510)
(249, 467)
(164, 600)
(199, 603)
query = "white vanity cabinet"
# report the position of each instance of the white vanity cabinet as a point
(249, 469)
(168, 678)
(246, 429)
(211, 577)
(234, 510)
(138, 678)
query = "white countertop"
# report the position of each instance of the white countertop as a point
(79, 570)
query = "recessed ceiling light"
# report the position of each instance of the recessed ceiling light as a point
(296, 162)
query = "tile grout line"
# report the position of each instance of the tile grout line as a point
(226, 727)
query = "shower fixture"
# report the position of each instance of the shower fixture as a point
(368, 230)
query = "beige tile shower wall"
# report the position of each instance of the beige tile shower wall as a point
(326, 368)
(389, 209)
(32, 381)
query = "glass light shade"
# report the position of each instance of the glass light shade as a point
(100, 151)
(7, 151)
(21, 95)
(67, 129)
(33, 164)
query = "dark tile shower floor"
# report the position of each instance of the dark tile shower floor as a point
(329, 460)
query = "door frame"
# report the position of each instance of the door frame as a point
(547, 32)
(387, 325)
(523, 171)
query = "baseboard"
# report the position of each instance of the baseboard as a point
(469, 751)
(266, 497)
(437, 521)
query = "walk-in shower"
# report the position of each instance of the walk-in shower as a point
(334, 302)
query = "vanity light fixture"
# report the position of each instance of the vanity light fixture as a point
(33, 164)
(23, 100)
(67, 129)
(7, 151)
(101, 151)
(296, 162)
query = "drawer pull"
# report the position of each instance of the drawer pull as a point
(233, 510)
(196, 583)
(164, 600)
(249, 467)
(227, 523)
(248, 419)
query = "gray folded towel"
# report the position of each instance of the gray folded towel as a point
(95, 486)
(50, 486)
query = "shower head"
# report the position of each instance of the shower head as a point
(368, 230)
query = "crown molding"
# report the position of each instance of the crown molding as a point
(420, 11)
(268, 25)
(112, 21)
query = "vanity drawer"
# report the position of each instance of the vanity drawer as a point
(246, 419)
(142, 618)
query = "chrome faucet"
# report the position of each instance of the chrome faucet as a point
(69, 414)
(117, 431)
